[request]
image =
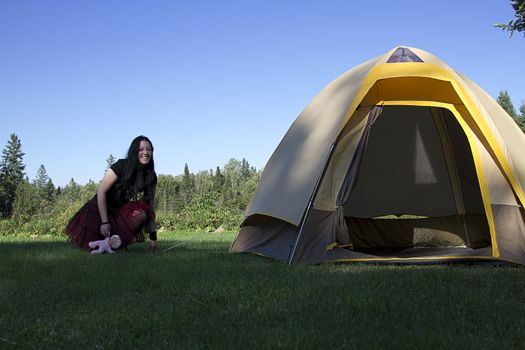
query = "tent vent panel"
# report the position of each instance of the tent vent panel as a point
(403, 54)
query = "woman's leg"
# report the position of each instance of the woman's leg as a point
(139, 220)
(130, 221)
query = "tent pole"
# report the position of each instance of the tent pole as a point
(310, 204)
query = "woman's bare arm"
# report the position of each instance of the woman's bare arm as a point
(108, 180)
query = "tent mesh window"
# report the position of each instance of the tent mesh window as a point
(406, 195)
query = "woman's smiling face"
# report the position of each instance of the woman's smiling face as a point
(145, 152)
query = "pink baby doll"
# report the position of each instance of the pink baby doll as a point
(105, 245)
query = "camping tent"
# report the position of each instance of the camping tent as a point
(399, 159)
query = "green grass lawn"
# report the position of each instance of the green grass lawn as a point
(53, 296)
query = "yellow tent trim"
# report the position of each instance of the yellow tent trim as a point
(484, 193)
(476, 122)
(494, 145)
(394, 70)
(429, 258)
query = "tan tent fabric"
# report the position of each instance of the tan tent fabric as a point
(511, 134)
(297, 162)
(443, 163)
(336, 170)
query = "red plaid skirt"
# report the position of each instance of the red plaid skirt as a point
(127, 222)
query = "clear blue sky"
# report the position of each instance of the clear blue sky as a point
(211, 80)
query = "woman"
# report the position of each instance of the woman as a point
(124, 203)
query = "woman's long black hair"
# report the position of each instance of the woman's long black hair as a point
(127, 187)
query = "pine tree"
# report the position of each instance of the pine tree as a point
(245, 169)
(188, 185)
(44, 187)
(218, 180)
(41, 177)
(50, 192)
(72, 191)
(110, 160)
(519, 23)
(11, 174)
(506, 103)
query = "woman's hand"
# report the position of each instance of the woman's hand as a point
(152, 245)
(105, 229)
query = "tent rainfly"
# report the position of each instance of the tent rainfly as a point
(400, 159)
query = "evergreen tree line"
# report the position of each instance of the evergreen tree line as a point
(205, 200)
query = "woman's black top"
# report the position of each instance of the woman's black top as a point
(116, 197)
